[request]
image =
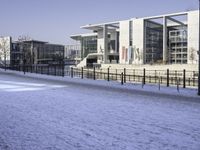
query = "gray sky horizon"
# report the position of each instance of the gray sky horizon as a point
(55, 20)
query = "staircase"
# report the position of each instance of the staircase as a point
(83, 63)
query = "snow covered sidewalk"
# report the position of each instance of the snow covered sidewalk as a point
(39, 112)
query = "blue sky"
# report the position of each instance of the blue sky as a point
(55, 20)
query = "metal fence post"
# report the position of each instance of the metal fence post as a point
(177, 81)
(55, 70)
(124, 75)
(155, 76)
(144, 76)
(48, 70)
(143, 82)
(72, 72)
(108, 74)
(94, 76)
(63, 68)
(159, 82)
(116, 74)
(167, 77)
(41, 69)
(82, 72)
(122, 78)
(184, 78)
(24, 69)
(31, 68)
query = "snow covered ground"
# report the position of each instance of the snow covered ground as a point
(39, 112)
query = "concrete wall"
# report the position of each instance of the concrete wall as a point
(188, 67)
(193, 36)
(138, 41)
(124, 40)
(100, 41)
(100, 45)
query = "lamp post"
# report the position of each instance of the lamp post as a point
(199, 54)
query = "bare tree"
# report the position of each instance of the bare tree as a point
(192, 55)
(22, 38)
(4, 50)
(26, 56)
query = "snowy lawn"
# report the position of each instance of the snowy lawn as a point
(39, 112)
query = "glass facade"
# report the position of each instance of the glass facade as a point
(89, 45)
(154, 42)
(178, 45)
(49, 52)
(35, 52)
(19, 52)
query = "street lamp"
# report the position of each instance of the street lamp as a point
(199, 54)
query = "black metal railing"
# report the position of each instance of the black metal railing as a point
(162, 77)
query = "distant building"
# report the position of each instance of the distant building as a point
(31, 52)
(73, 51)
(72, 54)
(164, 39)
(36, 52)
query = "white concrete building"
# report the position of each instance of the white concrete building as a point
(164, 39)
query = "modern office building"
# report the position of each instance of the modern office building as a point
(72, 54)
(36, 52)
(164, 39)
(31, 52)
(73, 51)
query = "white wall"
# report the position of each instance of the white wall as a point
(124, 41)
(100, 41)
(100, 44)
(193, 36)
(138, 41)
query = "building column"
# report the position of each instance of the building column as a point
(165, 48)
(105, 41)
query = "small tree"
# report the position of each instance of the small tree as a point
(4, 50)
(192, 55)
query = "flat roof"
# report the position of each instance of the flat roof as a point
(114, 24)
(36, 41)
(79, 36)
